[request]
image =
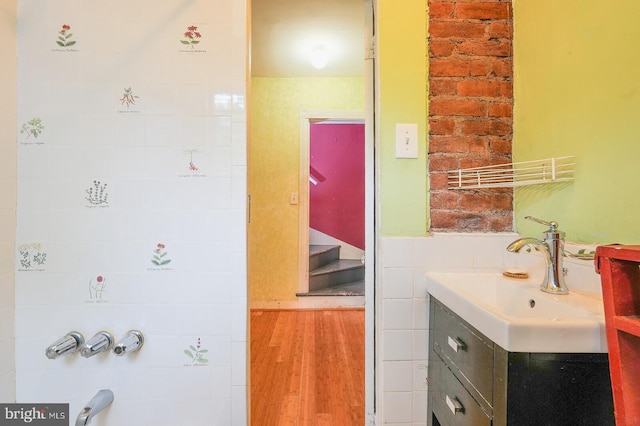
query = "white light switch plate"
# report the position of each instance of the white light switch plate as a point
(406, 140)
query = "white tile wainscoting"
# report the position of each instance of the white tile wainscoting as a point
(403, 317)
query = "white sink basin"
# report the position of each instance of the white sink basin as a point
(516, 315)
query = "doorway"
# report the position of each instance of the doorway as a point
(275, 198)
(355, 242)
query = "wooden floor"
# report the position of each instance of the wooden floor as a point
(307, 367)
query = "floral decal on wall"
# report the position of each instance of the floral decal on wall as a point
(33, 127)
(64, 38)
(31, 257)
(128, 98)
(160, 256)
(196, 354)
(191, 169)
(97, 195)
(191, 37)
(96, 288)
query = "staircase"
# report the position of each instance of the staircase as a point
(331, 276)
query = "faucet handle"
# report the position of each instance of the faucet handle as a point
(101, 342)
(68, 343)
(553, 226)
(131, 342)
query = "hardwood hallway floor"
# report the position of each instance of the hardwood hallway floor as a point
(307, 367)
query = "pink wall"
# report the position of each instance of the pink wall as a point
(337, 202)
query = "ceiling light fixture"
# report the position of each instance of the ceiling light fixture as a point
(319, 56)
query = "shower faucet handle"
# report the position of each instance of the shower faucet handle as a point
(101, 342)
(67, 344)
(131, 342)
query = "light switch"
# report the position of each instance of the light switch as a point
(406, 140)
(293, 198)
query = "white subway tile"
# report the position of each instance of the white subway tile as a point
(397, 283)
(397, 314)
(398, 407)
(397, 252)
(397, 376)
(397, 345)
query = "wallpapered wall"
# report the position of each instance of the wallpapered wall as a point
(131, 205)
(274, 173)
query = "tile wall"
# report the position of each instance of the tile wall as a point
(131, 148)
(403, 346)
(7, 197)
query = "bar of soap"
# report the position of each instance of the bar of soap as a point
(516, 273)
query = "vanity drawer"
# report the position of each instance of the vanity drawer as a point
(450, 401)
(465, 349)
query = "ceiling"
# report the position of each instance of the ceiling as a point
(285, 32)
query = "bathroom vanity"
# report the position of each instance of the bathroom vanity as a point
(474, 381)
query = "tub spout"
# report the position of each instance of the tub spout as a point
(98, 403)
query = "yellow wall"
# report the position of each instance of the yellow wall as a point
(577, 92)
(274, 149)
(402, 98)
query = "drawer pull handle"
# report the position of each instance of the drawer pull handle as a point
(455, 344)
(454, 405)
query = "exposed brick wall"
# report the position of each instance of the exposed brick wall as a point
(470, 109)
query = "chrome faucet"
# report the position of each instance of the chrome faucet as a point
(552, 246)
(98, 403)
(67, 344)
(131, 342)
(101, 342)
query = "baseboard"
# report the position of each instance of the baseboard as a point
(315, 302)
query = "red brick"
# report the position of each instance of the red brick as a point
(471, 162)
(500, 109)
(442, 162)
(506, 89)
(502, 201)
(439, 87)
(479, 146)
(479, 68)
(470, 109)
(494, 48)
(501, 223)
(500, 29)
(476, 202)
(438, 10)
(438, 126)
(451, 144)
(444, 199)
(486, 128)
(483, 10)
(500, 146)
(502, 68)
(457, 107)
(461, 30)
(447, 220)
(438, 180)
(439, 48)
(484, 88)
(448, 68)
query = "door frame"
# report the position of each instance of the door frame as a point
(306, 119)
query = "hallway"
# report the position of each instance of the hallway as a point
(307, 367)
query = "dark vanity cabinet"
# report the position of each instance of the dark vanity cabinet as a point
(473, 381)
